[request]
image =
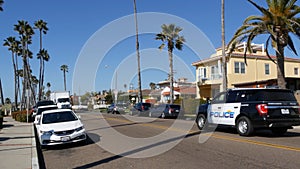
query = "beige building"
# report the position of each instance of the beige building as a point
(259, 72)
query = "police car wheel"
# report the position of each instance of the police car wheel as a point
(244, 126)
(201, 121)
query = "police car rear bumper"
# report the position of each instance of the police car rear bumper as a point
(268, 123)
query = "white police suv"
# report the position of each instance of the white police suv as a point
(251, 109)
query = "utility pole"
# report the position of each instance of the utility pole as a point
(140, 95)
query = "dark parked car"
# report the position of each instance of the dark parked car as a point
(42, 103)
(117, 108)
(165, 111)
(141, 109)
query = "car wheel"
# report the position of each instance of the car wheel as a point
(201, 121)
(244, 126)
(163, 115)
(279, 131)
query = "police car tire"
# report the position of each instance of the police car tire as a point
(201, 120)
(244, 126)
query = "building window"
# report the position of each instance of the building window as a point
(202, 73)
(296, 71)
(239, 67)
(215, 72)
(267, 69)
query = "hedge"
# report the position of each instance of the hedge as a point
(21, 116)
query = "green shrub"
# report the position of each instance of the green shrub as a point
(21, 116)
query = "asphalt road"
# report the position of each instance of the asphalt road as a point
(117, 141)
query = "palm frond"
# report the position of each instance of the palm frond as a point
(267, 51)
(161, 46)
(291, 45)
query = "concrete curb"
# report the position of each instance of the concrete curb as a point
(34, 156)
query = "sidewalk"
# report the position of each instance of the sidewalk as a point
(17, 145)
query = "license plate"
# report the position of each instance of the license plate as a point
(65, 138)
(285, 111)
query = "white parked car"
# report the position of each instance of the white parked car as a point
(60, 126)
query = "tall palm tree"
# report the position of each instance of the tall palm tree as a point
(224, 65)
(25, 31)
(13, 46)
(43, 55)
(42, 27)
(277, 22)
(170, 36)
(64, 68)
(140, 95)
(1, 3)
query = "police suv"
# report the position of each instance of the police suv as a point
(251, 109)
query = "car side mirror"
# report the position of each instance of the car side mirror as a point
(36, 122)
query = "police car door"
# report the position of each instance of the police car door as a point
(216, 108)
(231, 108)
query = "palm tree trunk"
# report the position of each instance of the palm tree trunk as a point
(41, 70)
(140, 95)
(224, 65)
(15, 78)
(280, 67)
(18, 80)
(40, 77)
(171, 75)
(65, 80)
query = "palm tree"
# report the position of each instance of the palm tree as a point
(43, 55)
(152, 85)
(1, 3)
(48, 91)
(48, 85)
(64, 68)
(42, 27)
(13, 46)
(277, 22)
(140, 95)
(170, 36)
(25, 31)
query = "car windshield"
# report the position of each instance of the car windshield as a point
(40, 110)
(58, 117)
(44, 103)
(60, 100)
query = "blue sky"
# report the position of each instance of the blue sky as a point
(72, 24)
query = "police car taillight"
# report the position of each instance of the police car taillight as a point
(262, 109)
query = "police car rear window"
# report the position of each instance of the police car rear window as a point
(275, 96)
(262, 95)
